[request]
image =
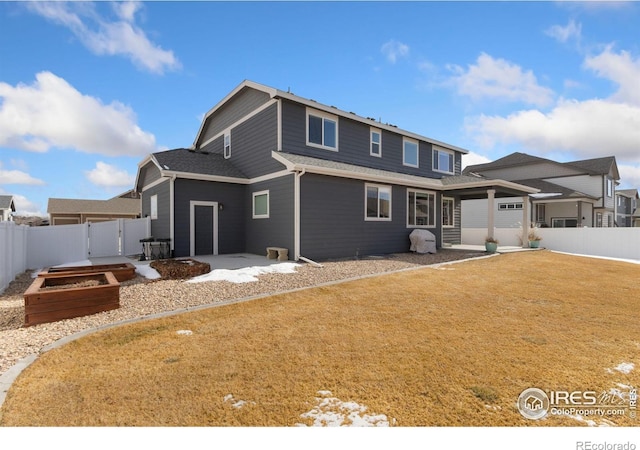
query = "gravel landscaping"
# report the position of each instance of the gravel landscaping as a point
(141, 297)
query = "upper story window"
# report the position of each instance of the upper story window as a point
(376, 143)
(443, 161)
(322, 130)
(227, 145)
(377, 202)
(609, 187)
(410, 153)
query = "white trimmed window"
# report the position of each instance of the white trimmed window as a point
(509, 206)
(421, 209)
(153, 207)
(448, 209)
(377, 204)
(261, 205)
(410, 153)
(376, 143)
(443, 161)
(609, 187)
(322, 130)
(227, 145)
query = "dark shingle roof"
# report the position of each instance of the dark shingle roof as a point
(595, 166)
(189, 161)
(552, 188)
(512, 160)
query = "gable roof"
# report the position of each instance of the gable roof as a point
(128, 206)
(595, 166)
(548, 191)
(512, 160)
(6, 202)
(278, 94)
(182, 160)
(631, 193)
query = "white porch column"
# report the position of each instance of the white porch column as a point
(526, 220)
(491, 194)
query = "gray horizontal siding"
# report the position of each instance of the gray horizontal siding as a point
(231, 219)
(160, 227)
(332, 220)
(148, 174)
(353, 144)
(243, 103)
(453, 235)
(277, 230)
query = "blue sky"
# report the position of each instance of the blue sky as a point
(87, 90)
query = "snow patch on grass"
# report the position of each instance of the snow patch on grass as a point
(236, 403)
(184, 332)
(333, 412)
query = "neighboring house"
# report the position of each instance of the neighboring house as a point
(627, 211)
(7, 207)
(269, 168)
(66, 211)
(572, 194)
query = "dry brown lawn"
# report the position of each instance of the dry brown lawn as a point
(452, 346)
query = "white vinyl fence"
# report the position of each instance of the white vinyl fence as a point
(623, 243)
(13, 252)
(23, 247)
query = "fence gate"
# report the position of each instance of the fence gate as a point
(104, 238)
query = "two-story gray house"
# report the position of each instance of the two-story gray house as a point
(571, 194)
(270, 168)
(627, 210)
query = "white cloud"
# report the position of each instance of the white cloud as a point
(590, 128)
(572, 30)
(629, 176)
(471, 159)
(496, 78)
(107, 175)
(52, 113)
(102, 36)
(24, 206)
(17, 177)
(393, 50)
(622, 69)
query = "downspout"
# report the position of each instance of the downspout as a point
(171, 212)
(296, 213)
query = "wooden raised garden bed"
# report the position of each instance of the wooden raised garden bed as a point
(122, 272)
(64, 296)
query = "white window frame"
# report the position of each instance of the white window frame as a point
(153, 207)
(435, 209)
(253, 205)
(226, 143)
(609, 186)
(436, 160)
(510, 206)
(324, 116)
(452, 213)
(372, 143)
(380, 187)
(406, 141)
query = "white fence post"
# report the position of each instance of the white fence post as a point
(12, 252)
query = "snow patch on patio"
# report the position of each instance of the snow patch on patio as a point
(244, 275)
(333, 412)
